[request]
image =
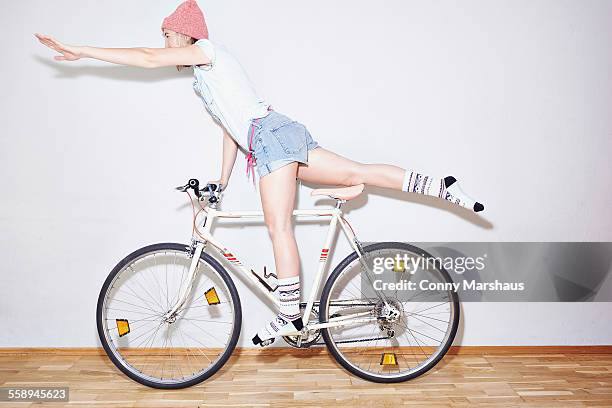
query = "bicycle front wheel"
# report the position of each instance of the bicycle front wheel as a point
(147, 344)
(389, 335)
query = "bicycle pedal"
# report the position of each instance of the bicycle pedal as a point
(266, 342)
(263, 343)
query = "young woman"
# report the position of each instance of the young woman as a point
(281, 149)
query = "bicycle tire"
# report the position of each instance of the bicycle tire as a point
(323, 316)
(236, 327)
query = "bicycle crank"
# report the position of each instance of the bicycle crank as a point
(308, 337)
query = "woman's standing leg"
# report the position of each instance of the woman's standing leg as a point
(326, 167)
(277, 190)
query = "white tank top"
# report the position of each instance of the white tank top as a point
(227, 92)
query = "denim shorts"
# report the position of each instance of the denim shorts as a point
(277, 141)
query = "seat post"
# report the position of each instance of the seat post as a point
(339, 202)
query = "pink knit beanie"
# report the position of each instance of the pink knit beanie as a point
(187, 19)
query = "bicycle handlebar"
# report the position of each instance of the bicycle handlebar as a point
(213, 190)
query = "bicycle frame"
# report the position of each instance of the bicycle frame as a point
(336, 218)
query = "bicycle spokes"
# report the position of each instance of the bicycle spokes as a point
(405, 331)
(151, 342)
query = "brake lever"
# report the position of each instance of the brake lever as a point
(212, 192)
(212, 189)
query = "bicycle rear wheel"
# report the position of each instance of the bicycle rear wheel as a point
(389, 344)
(163, 352)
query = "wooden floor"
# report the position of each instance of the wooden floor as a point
(486, 376)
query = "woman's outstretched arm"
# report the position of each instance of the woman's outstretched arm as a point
(138, 57)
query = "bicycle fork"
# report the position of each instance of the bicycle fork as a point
(195, 251)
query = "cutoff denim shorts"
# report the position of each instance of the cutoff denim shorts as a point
(278, 140)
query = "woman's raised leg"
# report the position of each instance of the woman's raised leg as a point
(277, 191)
(326, 167)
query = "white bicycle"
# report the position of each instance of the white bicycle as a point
(169, 315)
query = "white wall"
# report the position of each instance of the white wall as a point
(512, 97)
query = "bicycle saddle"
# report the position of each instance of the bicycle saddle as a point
(342, 193)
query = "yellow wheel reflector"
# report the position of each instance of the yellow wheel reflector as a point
(123, 327)
(399, 266)
(211, 297)
(388, 359)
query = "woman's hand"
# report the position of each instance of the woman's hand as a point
(69, 52)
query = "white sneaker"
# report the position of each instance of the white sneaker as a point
(277, 328)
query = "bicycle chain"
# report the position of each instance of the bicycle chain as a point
(351, 341)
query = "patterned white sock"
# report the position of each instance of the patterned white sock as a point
(289, 296)
(288, 291)
(447, 188)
